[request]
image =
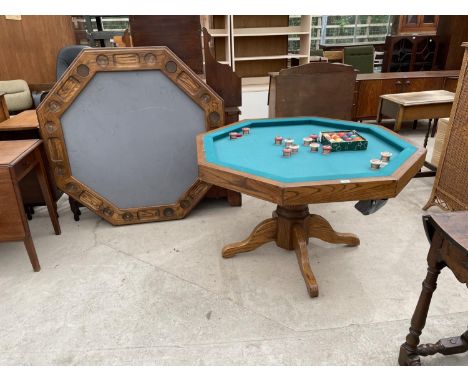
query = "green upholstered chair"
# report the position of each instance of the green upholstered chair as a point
(316, 52)
(360, 57)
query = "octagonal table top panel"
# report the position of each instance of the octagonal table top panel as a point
(257, 154)
(127, 132)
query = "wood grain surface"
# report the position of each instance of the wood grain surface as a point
(26, 120)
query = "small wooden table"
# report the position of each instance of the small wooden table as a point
(431, 104)
(448, 235)
(18, 159)
(26, 126)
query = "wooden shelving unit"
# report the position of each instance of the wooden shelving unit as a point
(257, 45)
(219, 27)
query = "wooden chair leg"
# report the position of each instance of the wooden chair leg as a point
(434, 127)
(408, 351)
(75, 208)
(415, 124)
(28, 243)
(426, 137)
(398, 121)
(29, 211)
(47, 194)
(379, 112)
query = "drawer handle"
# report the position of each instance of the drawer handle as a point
(398, 82)
(407, 82)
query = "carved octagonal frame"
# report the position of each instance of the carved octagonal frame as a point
(78, 75)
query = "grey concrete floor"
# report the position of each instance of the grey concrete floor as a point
(160, 293)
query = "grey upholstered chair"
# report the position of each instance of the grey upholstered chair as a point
(65, 57)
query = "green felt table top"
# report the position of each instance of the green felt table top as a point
(257, 154)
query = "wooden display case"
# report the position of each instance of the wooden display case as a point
(411, 24)
(411, 53)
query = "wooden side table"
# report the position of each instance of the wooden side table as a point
(17, 159)
(26, 126)
(431, 104)
(448, 234)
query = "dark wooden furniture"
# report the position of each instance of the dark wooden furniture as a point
(226, 84)
(223, 81)
(450, 189)
(452, 31)
(17, 159)
(341, 46)
(411, 53)
(129, 177)
(315, 89)
(181, 34)
(370, 87)
(448, 235)
(414, 24)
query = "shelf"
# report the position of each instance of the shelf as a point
(258, 58)
(218, 33)
(272, 31)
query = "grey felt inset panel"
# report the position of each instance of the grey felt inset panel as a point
(130, 136)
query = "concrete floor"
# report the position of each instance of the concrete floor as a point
(160, 294)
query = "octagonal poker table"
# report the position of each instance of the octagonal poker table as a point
(253, 164)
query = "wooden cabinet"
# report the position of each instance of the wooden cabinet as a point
(370, 87)
(411, 53)
(180, 33)
(453, 31)
(417, 24)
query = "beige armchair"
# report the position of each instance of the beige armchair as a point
(17, 95)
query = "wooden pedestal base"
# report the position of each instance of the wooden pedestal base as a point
(291, 227)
